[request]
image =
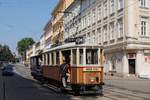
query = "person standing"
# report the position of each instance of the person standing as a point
(64, 71)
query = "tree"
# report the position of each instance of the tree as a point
(23, 44)
(6, 54)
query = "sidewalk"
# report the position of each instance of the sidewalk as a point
(128, 83)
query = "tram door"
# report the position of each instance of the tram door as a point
(67, 55)
(131, 66)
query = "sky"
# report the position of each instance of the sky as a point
(23, 18)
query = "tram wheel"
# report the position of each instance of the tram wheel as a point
(76, 90)
(100, 90)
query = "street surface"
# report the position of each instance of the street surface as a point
(22, 86)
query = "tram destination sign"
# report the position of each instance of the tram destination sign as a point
(93, 69)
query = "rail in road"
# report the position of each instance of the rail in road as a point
(115, 93)
(109, 93)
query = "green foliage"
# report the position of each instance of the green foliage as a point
(23, 44)
(6, 54)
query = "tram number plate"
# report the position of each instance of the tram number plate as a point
(91, 69)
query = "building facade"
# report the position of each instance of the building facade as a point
(47, 36)
(122, 27)
(57, 20)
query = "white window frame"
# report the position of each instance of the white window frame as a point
(93, 15)
(99, 32)
(89, 18)
(105, 33)
(144, 3)
(105, 9)
(144, 26)
(99, 8)
(94, 36)
(120, 27)
(120, 4)
(112, 30)
(112, 6)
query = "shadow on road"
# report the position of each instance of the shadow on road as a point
(20, 88)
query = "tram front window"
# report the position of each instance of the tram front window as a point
(91, 56)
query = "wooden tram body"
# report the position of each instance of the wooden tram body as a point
(86, 67)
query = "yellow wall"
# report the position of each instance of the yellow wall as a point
(57, 21)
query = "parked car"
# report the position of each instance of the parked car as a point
(7, 70)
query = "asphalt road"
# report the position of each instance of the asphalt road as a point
(22, 86)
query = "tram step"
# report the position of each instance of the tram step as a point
(52, 87)
(68, 88)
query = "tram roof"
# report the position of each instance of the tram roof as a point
(71, 46)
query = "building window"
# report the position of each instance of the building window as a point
(99, 12)
(105, 9)
(112, 29)
(105, 33)
(88, 37)
(93, 15)
(89, 19)
(85, 21)
(120, 4)
(143, 3)
(144, 26)
(112, 6)
(99, 35)
(120, 27)
(94, 37)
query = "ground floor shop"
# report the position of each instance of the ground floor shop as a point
(127, 62)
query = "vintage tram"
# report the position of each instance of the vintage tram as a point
(85, 71)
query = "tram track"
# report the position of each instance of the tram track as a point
(114, 94)
(111, 93)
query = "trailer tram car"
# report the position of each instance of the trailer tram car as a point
(85, 71)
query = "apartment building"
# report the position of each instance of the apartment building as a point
(30, 52)
(57, 20)
(47, 36)
(120, 26)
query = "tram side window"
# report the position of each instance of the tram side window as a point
(44, 59)
(92, 56)
(48, 58)
(81, 56)
(74, 56)
(34, 61)
(52, 56)
(57, 58)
